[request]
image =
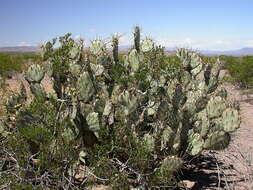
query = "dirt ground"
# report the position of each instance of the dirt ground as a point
(231, 169)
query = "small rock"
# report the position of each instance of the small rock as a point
(188, 184)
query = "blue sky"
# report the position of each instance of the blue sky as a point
(199, 24)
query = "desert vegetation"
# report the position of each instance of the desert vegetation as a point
(123, 121)
(240, 70)
(11, 62)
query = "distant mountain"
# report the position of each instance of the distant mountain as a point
(19, 49)
(239, 52)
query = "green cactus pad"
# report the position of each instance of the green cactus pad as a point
(93, 122)
(150, 142)
(134, 60)
(35, 74)
(117, 90)
(68, 135)
(166, 138)
(230, 120)
(97, 69)
(38, 90)
(203, 123)
(185, 78)
(215, 107)
(129, 101)
(197, 70)
(97, 47)
(152, 108)
(103, 59)
(217, 140)
(48, 66)
(85, 109)
(75, 51)
(13, 103)
(184, 56)
(147, 45)
(75, 69)
(85, 87)
(107, 109)
(196, 143)
(195, 61)
(195, 101)
(171, 164)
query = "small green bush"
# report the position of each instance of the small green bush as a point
(240, 70)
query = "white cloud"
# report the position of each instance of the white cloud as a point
(124, 40)
(205, 44)
(77, 37)
(24, 44)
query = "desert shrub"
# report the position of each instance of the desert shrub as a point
(240, 70)
(15, 62)
(210, 59)
(124, 121)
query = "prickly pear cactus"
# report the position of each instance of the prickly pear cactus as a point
(101, 100)
(15, 101)
(34, 74)
(147, 45)
(97, 47)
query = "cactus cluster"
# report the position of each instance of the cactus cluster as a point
(171, 116)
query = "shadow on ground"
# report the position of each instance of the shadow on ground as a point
(208, 173)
